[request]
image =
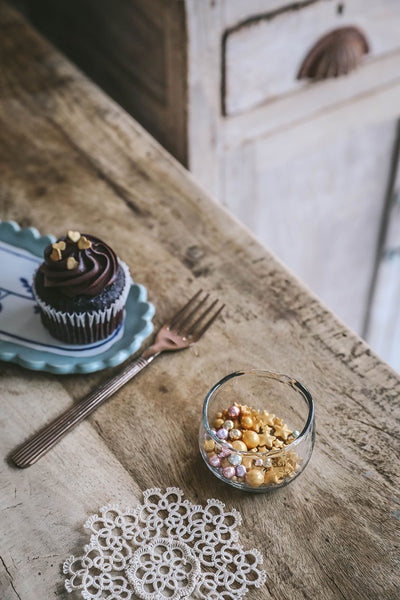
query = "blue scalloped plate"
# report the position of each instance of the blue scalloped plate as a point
(25, 341)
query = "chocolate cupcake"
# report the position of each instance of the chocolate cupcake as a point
(81, 289)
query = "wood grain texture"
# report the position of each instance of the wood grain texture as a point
(70, 157)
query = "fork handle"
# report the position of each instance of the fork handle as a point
(51, 434)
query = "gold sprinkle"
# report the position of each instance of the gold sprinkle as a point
(74, 236)
(60, 245)
(267, 418)
(55, 254)
(282, 430)
(277, 443)
(271, 476)
(266, 440)
(208, 445)
(84, 243)
(71, 263)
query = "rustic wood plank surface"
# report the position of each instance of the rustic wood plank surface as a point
(70, 157)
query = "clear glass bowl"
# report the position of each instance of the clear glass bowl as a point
(280, 396)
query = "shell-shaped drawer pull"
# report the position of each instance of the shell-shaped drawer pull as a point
(336, 53)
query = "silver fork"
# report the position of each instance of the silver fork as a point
(184, 329)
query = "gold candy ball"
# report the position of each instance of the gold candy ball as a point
(235, 434)
(228, 425)
(218, 423)
(255, 477)
(247, 462)
(239, 445)
(251, 439)
(246, 421)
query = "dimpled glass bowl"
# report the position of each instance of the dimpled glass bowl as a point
(275, 393)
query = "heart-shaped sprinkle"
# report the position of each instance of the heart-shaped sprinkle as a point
(84, 243)
(60, 245)
(74, 236)
(71, 263)
(55, 254)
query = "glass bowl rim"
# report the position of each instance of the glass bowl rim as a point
(271, 375)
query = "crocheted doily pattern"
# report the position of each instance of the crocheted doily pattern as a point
(165, 549)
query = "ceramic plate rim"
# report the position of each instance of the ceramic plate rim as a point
(30, 239)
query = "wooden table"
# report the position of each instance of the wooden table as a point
(70, 157)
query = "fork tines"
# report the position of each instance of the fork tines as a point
(185, 321)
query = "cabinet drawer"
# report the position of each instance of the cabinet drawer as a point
(261, 56)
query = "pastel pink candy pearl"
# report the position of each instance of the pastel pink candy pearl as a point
(228, 472)
(240, 471)
(222, 433)
(225, 451)
(214, 461)
(233, 411)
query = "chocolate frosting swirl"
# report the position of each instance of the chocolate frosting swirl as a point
(97, 268)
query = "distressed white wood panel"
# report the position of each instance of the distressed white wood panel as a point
(236, 11)
(203, 22)
(320, 211)
(262, 57)
(312, 101)
(376, 107)
(240, 186)
(383, 331)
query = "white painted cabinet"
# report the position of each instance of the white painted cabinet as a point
(321, 209)
(304, 165)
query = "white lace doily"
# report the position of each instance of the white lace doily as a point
(165, 549)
